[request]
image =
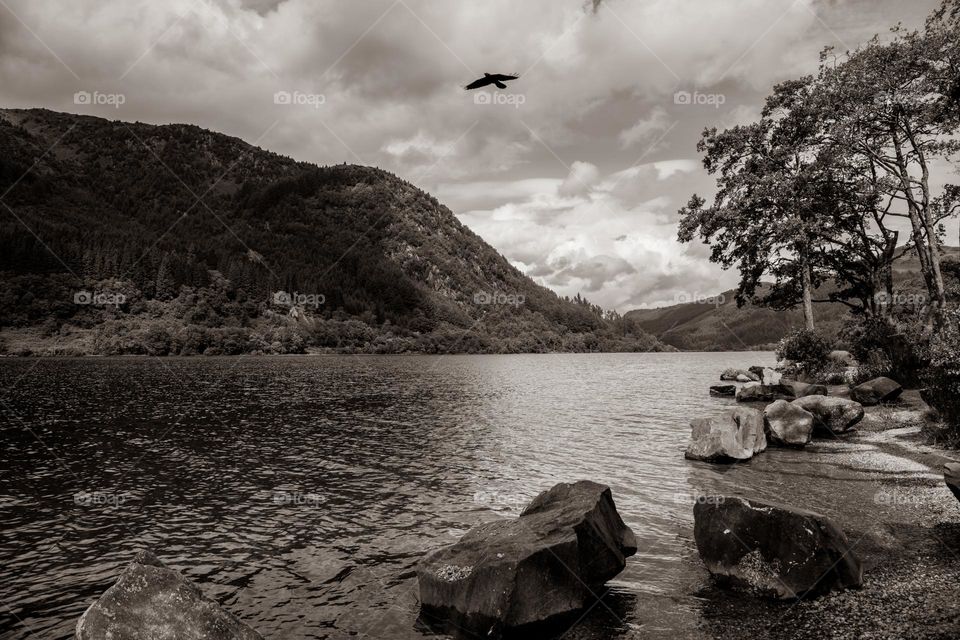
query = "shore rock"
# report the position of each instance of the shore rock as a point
(723, 390)
(732, 375)
(831, 415)
(774, 551)
(734, 436)
(788, 425)
(771, 377)
(149, 600)
(802, 389)
(875, 391)
(757, 370)
(537, 569)
(757, 392)
(951, 475)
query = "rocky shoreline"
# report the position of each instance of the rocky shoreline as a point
(910, 553)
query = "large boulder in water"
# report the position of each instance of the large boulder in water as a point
(876, 391)
(151, 602)
(788, 425)
(537, 569)
(773, 551)
(951, 475)
(831, 415)
(735, 435)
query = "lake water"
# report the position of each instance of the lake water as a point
(301, 491)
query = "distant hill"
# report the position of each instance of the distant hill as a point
(134, 238)
(721, 326)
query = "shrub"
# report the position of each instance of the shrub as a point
(886, 348)
(942, 379)
(807, 349)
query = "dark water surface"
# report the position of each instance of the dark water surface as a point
(301, 491)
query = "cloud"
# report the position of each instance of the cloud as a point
(646, 130)
(566, 182)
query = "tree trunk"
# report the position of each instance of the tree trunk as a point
(807, 295)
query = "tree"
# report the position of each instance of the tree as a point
(773, 187)
(887, 106)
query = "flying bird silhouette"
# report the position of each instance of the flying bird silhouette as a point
(496, 79)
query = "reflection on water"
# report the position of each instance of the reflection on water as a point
(300, 492)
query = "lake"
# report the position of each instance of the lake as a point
(301, 491)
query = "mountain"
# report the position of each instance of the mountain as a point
(133, 238)
(718, 324)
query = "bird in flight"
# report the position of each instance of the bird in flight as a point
(496, 79)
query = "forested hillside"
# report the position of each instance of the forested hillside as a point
(132, 238)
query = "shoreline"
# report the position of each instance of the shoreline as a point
(911, 554)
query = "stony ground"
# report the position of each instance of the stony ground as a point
(911, 560)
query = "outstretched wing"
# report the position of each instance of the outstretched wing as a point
(482, 82)
(502, 77)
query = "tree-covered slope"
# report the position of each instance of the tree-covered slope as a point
(202, 235)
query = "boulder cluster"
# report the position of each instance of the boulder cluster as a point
(794, 414)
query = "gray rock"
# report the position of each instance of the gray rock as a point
(537, 569)
(771, 550)
(731, 375)
(788, 425)
(797, 389)
(151, 602)
(876, 391)
(734, 436)
(831, 415)
(723, 390)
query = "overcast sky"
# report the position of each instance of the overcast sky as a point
(574, 173)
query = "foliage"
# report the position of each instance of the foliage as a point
(942, 378)
(807, 349)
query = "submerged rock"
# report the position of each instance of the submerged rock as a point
(733, 436)
(723, 390)
(876, 391)
(732, 375)
(787, 424)
(831, 415)
(150, 601)
(533, 570)
(773, 551)
(951, 475)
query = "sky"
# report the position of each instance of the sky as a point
(575, 172)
